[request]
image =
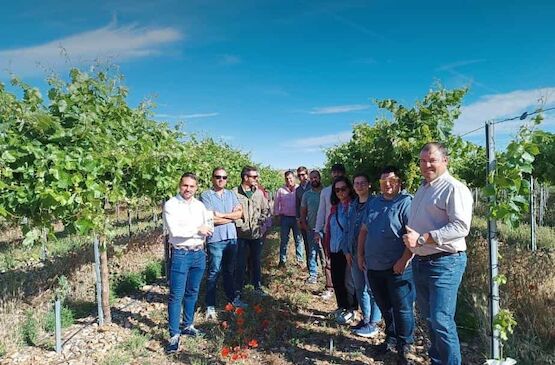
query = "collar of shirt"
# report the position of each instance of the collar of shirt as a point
(290, 190)
(443, 176)
(182, 200)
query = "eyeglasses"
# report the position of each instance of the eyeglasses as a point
(393, 180)
(341, 190)
(220, 177)
(253, 176)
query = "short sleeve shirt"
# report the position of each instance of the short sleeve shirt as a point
(223, 204)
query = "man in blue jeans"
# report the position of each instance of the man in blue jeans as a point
(256, 210)
(188, 224)
(386, 261)
(308, 212)
(439, 221)
(222, 245)
(285, 209)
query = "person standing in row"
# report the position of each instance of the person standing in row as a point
(440, 219)
(309, 209)
(188, 223)
(222, 244)
(324, 208)
(341, 196)
(387, 262)
(304, 186)
(285, 209)
(356, 216)
(249, 231)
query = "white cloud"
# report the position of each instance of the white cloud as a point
(111, 42)
(187, 116)
(339, 109)
(500, 106)
(317, 143)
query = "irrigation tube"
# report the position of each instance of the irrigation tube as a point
(58, 316)
(493, 249)
(98, 282)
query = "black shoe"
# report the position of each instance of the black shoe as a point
(403, 355)
(385, 347)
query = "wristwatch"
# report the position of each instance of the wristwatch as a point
(421, 240)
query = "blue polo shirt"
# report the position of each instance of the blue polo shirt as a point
(223, 204)
(385, 224)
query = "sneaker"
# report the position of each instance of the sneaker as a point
(367, 331)
(311, 280)
(404, 355)
(360, 324)
(173, 345)
(190, 331)
(345, 317)
(326, 294)
(237, 302)
(210, 314)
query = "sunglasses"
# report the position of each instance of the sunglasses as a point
(341, 190)
(220, 177)
(253, 176)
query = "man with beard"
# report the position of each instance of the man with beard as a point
(310, 203)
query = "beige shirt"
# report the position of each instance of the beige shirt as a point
(442, 208)
(183, 220)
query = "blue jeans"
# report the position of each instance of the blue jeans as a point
(370, 310)
(312, 254)
(437, 283)
(255, 251)
(286, 225)
(395, 295)
(187, 268)
(221, 257)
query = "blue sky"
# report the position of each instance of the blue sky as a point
(286, 79)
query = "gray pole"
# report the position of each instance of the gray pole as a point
(58, 317)
(533, 241)
(492, 241)
(98, 281)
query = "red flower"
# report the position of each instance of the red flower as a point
(229, 307)
(240, 321)
(235, 357)
(258, 308)
(239, 311)
(225, 351)
(253, 343)
(244, 355)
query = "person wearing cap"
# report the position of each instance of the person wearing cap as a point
(439, 221)
(188, 224)
(222, 244)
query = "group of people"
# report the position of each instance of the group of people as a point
(380, 253)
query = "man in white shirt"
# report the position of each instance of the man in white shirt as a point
(188, 223)
(439, 221)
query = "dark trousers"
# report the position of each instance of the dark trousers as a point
(394, 294)
(338, 269)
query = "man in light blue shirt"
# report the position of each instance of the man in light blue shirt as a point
(222, 245)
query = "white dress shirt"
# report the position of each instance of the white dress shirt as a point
(183, 219)
(442, 208)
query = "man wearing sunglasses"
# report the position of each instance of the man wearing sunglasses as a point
(304, 186)
(249, 229)
(222, 245)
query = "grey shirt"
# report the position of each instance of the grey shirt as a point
(442, 208)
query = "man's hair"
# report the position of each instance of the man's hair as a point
(217, 169)
(334, 199)
(338, 167)
(302, 168)
(288, 172)
(361, 174)
(246, 171)
(315, 172)
(388, 169)
(189, 175)
(436, 146)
